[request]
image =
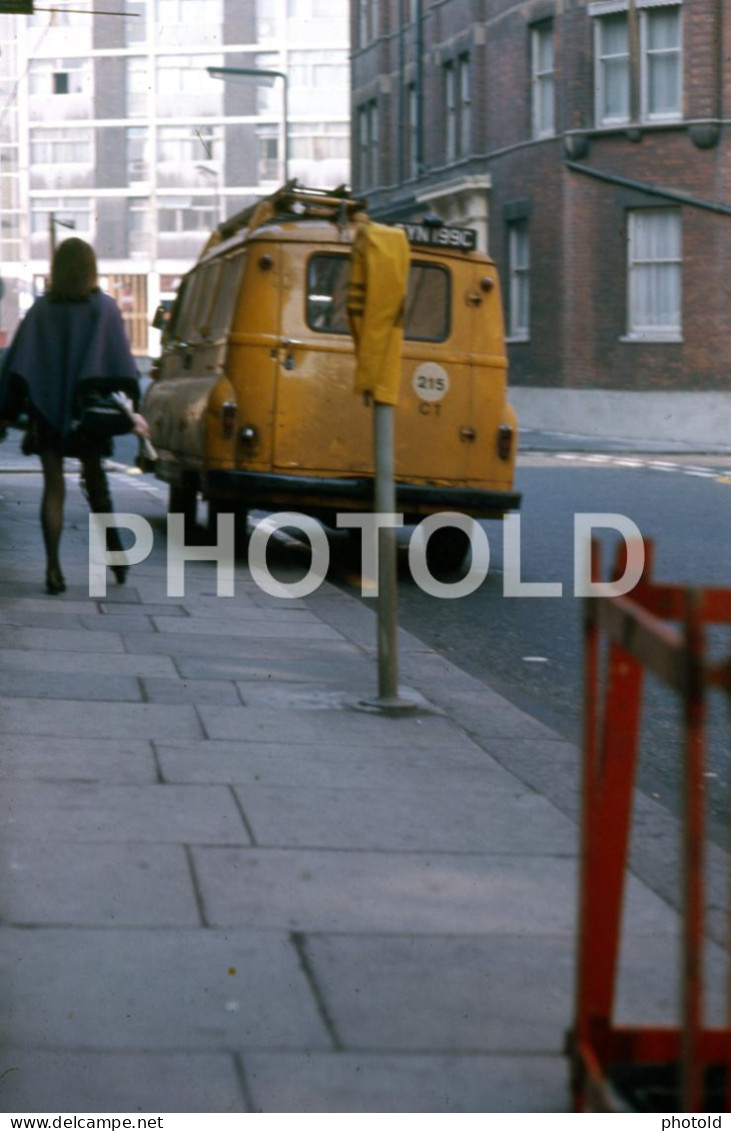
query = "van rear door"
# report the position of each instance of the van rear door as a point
(321, 426)
(436, 387)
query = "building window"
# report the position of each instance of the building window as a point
(138, 155)
(464, 108)
(191, 214)
(412, 130)
(318, 70)
(138, 87)
(647, 86)
(368, 143)
(612, 69)
(72, 146)
(367, 21)
(662, 80)
(654, 273)
(135, 25)
(457, 108)
(518, 280)
(59, 76)
(450, 112)
(191, 12)
(70, 213)
(542, 80)
(269, 164)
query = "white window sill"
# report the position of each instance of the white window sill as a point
(652, 336)
(517, 338)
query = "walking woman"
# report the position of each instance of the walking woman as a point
(72, 338)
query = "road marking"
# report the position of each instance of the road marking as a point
(720, 475)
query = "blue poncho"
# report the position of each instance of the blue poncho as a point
(57, 346)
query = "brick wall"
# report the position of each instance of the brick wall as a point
(577, 224)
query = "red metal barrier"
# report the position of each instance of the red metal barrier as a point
(640, 638)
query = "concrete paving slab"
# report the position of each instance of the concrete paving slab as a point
(367, 1082)
(95, 663)
(59, 639)
(55, 1081)
(349, 670)
(396, 893)
(167, 990)
(114, 814)
(62, 717)
(51, 619)
(124, 885)
(102, 813)
(329, 764)
(62, 605)
(242, 607)
(124, 761)
(340, 726)
(505, 993)
(406, 893)
(115, 609)
(158, 690)
(242, 647)
(494, 819)
(69, 685)
(265, 628)
(123, 622)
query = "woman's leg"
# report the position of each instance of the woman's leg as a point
(95, 486)
(52, 501)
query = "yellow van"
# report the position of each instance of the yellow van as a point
(252, 406)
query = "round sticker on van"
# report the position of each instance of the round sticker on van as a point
(430, 382)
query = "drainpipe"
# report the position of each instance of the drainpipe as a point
(652, 190)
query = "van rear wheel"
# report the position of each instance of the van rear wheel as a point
(446, 550)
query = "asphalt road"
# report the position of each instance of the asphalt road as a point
(530, 649)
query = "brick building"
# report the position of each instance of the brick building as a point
(588, 142)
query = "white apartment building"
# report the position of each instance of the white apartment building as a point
(112, 129)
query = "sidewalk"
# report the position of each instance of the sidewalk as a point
(225, 888)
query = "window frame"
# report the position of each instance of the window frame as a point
(450, 111)
(600, 118)
(464, 104)
(415, 264)
(646, 16)
(519, 276)
(542, 80)
(653, 332)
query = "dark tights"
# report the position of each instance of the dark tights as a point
(95, 486)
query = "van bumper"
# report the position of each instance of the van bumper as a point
(261, 490)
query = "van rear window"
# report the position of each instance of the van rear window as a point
(427, 301)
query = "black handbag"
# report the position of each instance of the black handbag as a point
(100, 415)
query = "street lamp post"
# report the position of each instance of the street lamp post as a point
(52, 221)
(265, 74)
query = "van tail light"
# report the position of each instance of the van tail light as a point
(504, 441)
(228, 419)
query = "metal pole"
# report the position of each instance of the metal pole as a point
(385, 503)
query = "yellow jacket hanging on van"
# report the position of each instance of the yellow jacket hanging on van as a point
(376, 294)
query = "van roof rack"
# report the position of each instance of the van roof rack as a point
(294, 201)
